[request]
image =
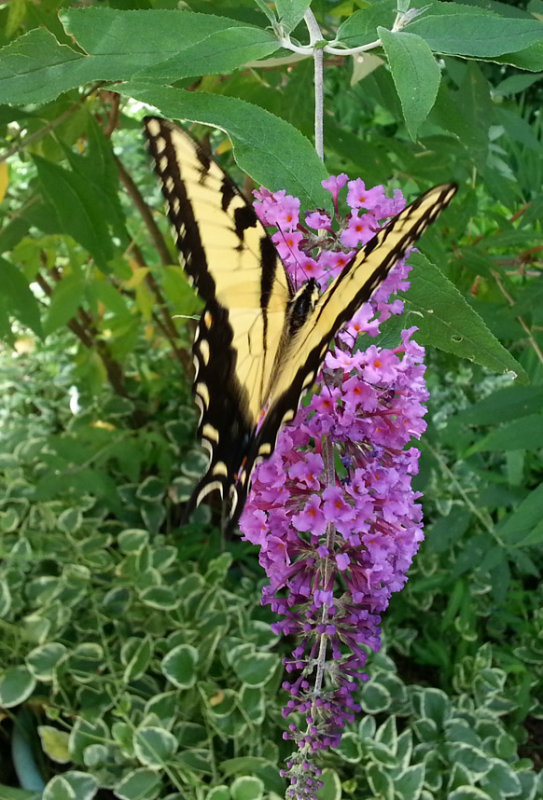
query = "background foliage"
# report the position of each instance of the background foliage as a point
(136, 659)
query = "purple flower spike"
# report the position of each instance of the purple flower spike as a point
(336, 545)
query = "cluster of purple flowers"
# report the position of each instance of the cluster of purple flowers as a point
(333, 510)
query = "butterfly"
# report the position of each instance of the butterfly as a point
(259, 343)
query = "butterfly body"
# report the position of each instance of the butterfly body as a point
(259, 344)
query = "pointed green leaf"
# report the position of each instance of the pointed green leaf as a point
(20, 300)
(361, 27)
(415, 73)
(79, 210)
(446, 320)
(291, 12)
(518, 434)
(452, 29)
(66, 298)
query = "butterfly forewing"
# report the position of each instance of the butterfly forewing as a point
(233, 265)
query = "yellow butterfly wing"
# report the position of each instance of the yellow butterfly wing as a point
(234, 266)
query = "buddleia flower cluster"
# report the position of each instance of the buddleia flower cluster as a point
(333, 510)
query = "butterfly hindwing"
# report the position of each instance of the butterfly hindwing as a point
(258, 346)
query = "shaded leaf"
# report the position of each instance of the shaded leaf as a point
(518, 434)
(19, 299)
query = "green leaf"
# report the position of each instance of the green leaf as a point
(514, 84)
(256, 669)
(291, 12)
(518, 129)
(98, 172)
(44, 660)
(361, 27)
(530, 59)
(124, 42)
(468, 793)
(416, 75)
(5, 599)
(16, 686)
(12, 793)
(445, 320)
(508, 404)
(253, 702)
(217, 793)
(375, 698)
(79, 210)
(219, 53)
(86, 660)
(54, 743)
(331, 788)
(141, 784)
(480, 33)
(179, 666)
(35, 68)
(460, 111)
(139, 660)
(408, 784)
(116, 44)
(70, 520)
(387, 735)
(151, 489)
(434, 704)
(67, 296)
(266, 147)
(524, 525)
(247, 788)
(20, 301)
(525, 433)
(195, 760)
(59, 789)
(350, 748)
(161, 597)
(133, 540)
(154, 746)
